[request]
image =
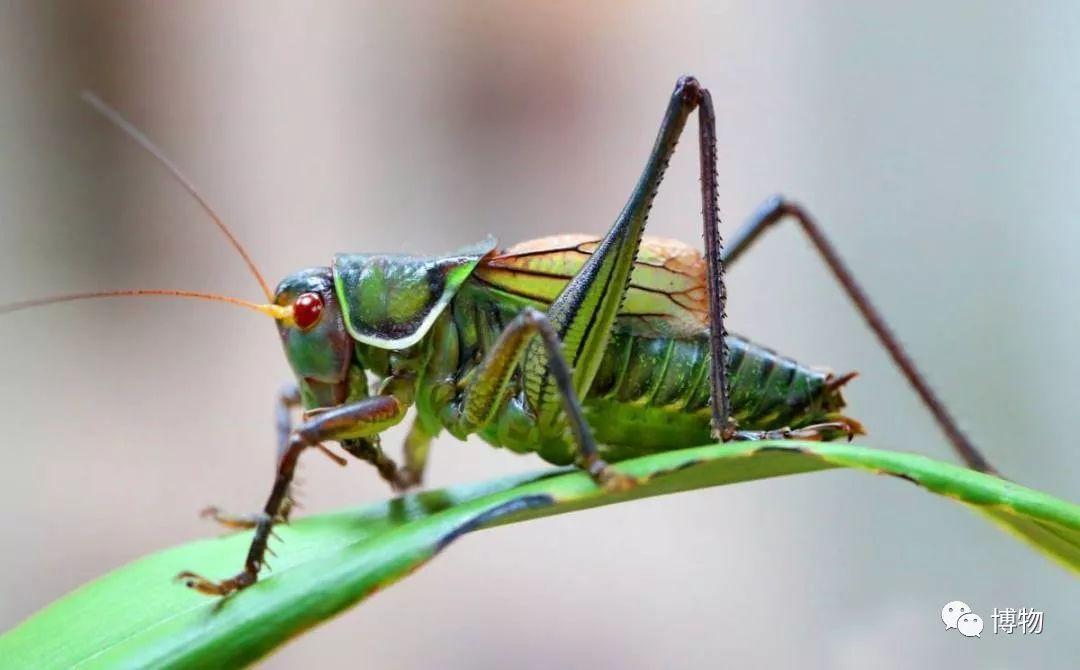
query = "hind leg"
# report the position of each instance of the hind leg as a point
(777, 209)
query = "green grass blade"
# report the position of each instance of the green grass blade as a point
(137, 617)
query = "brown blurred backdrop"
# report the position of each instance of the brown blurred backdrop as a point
(939, 144)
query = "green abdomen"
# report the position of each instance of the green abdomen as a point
(651, 392)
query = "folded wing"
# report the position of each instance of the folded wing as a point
(667, 295)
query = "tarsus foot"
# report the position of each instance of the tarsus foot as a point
(246, 521)
(818, 431)
(236, 521)
(222, 588)
(607, 477)
(616, 482)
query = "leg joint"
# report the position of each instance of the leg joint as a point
(689, 89)
(532, 316)
(774, 208)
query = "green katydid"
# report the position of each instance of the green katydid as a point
(582, 350)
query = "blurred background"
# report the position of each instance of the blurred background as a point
(939, 144)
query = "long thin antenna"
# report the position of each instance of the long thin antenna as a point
(275, 311)
(123, 124)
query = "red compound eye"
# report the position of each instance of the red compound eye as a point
(307, 310)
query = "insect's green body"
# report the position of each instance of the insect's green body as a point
(581, 350)
(651, 391)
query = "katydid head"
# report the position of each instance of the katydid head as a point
(313, 332)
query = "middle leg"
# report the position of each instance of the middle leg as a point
(478, 404)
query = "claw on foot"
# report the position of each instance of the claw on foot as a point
(222, 588)
(847, 428)
(610, 480)
(235, 521)
(726, 433)
(239, 521)
(616, 482)
(405, 479)
(606, 477)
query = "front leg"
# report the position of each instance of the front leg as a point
(288, 399)
(354, 421)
